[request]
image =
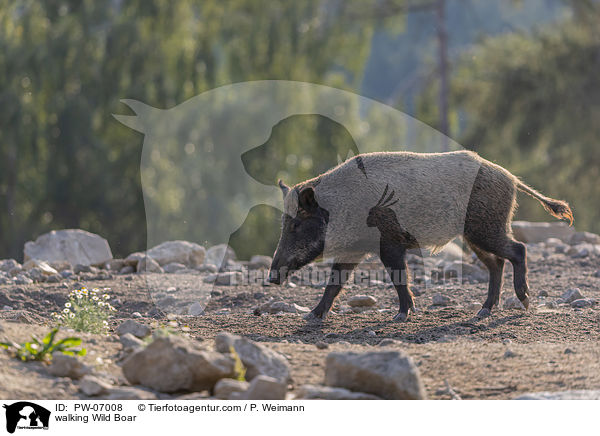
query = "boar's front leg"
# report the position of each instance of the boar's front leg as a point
(340, 272)
(393, 256)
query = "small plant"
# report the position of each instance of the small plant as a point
(239, 370)
(42, 350)
(86, 311)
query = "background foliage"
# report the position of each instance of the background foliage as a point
(524, 88)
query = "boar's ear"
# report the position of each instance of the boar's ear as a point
(284, 188)
(306, 200)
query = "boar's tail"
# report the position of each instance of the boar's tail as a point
(558, 208)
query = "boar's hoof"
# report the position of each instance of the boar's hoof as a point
(484, 313)
(313, 316)
(400, 317)
(525, 302)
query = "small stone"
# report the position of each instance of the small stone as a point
(136, 315)
(257, 358)
(9, 264)
(128, 393)
(513, 303)
(135, 328)
(7, 307)
(571, 295)
(148, 265)
(474, 306)
(263, 387)
(22, 279)
(371, 333)
(92, 386)
(582, 303)
(130, 341)
(506, 341)
(313, 392)
(362, 301)
(569, 351)
(226, 386)
(322, 345)
(196, 309)
(56, 278)
(389, 342)
(79, 268)
(387, 374)
(174, 363)
(542, 293)
(441, 300)
(275, 306)
(173, 267)
(127, 270)
(64, 365)
(260, 262)
(509, 354)
(65, 274)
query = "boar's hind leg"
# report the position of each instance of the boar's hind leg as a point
(340, 272)
(495, 266)
(393, 256)
(516, 253)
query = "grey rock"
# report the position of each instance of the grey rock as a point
(580, 251)
(172, 268)
(441, 300)
(22, 279)
(68, 366)
(40, 267)
(36, 275)
(571, 295)
(263, 387)
(583, 303)
(56, 278)
(219, 255)
(258, 359)
(128, 393)
(148, 265)
(561, 395)
(513, 303)
(79, 268)
(137, 329)
(362, 301)
(322, 345)
(209, 268)
(73, 246)
(8, 264)
(231, 278)
(387, 374)
(187, 253)
(134, 258)
(259, 262)
(315, 392)
(66, 273)
(7, 307)
(276, 306)
(174, 363)
(130, 341)
(115, 265)
(15, 271)
(93, 386)
(531, 232)
(389, 342)
(227, 386)
(584, 237)
(127, 270)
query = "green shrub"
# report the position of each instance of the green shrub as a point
(42, 350)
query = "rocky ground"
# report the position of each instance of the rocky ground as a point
(554, 346)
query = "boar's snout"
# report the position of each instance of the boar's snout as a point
(277, 274)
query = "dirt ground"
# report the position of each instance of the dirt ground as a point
(511, 352)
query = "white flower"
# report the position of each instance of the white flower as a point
(67, 304)
(34, 346)
(66, 310)
(95, 298)
(71, 315)
(106, 297)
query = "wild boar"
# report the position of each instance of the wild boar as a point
(387, 203)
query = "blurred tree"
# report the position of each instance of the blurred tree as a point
(532, 102)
